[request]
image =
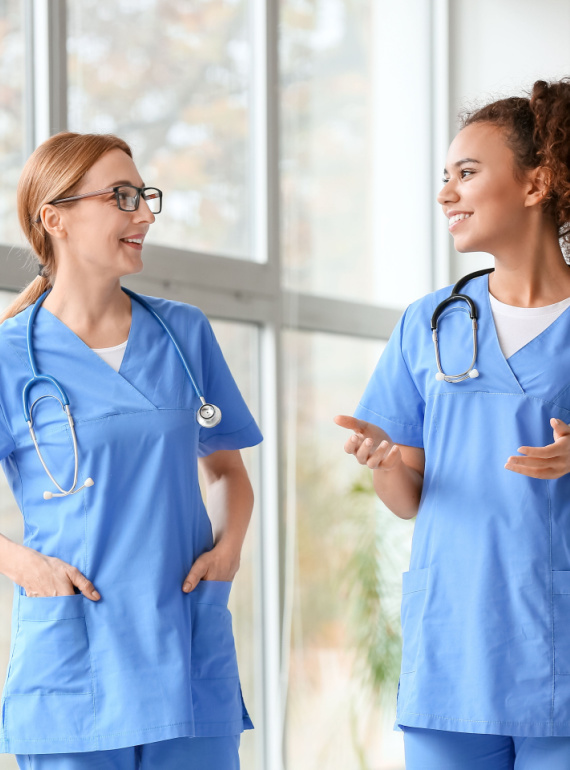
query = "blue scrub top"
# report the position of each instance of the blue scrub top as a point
(147, 662)
(486, 602)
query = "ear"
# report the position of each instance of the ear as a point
(538, 185)
(53, 221)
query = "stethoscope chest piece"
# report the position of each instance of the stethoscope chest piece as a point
(208, 415)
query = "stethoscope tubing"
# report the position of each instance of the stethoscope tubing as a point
(208, 415)
(457, 296)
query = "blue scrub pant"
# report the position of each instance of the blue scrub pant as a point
(175, 754)
(442, 750)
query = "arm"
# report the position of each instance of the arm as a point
(41, 575)
(230, 502)
(398, 471)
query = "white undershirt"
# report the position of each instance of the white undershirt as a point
(517, 326)
(112, 356)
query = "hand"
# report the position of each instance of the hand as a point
(221, 563)
(370, 444)
(50, 576)
(545, 462)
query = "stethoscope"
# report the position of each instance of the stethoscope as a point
(456, 296)
(208, 415)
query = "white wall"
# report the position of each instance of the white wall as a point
(499, 48)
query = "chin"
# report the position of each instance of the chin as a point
(466, 247)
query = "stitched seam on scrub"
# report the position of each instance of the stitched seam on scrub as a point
(475, 721)
(517, 395)
(553, 656)
(389, 419)
(47, 694)
(213, 679)
(105, 735)
(88, 635)
(231, 433)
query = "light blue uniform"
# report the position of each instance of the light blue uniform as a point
(486, 602)
(147, 662)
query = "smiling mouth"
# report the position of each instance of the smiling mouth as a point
(456, 219)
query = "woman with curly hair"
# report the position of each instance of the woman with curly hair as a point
(482, 455)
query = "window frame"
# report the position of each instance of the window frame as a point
(233, 289)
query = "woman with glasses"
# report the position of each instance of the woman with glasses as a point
(122, 651)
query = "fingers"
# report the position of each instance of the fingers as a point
(197, 573)
(536, 468)
(386, 454)
(547, 452)
(85, 586)
(350, 423)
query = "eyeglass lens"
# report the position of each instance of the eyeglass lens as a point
(128, 198)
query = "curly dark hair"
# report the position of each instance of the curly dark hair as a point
(537, 130)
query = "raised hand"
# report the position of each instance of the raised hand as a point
(545, 462)
(369, 444)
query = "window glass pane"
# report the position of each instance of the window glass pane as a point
(12, 130)
(240, 345)
(172, 78)
(338, 541)
(356, 190)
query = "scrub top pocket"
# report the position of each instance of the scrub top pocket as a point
(414, 584)
(51, 650)
(561, 602)
(215, 680)
(213, 649)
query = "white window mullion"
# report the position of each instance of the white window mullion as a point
(48, 68)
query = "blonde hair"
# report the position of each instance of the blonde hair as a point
(54, 170)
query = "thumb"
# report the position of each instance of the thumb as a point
(350, 423)
(199, 569)
(560, 427)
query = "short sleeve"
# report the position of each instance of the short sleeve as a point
(237, 428)
(391, 399)
(7, 445)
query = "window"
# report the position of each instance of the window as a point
(265, 125)
(12, 114)
(179, 93)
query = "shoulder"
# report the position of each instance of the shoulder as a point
(421, 310)
(177, 313)
(13, 333)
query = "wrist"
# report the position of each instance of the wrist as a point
(228, 551)
(14, 559)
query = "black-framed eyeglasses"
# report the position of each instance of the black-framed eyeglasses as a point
(127, 196)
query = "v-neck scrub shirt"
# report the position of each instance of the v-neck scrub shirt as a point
(486, 601)
(147, 662)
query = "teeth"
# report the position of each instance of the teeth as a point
(133, 240)
(457, 218)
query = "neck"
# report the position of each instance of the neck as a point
(94, 307)
(532, 272)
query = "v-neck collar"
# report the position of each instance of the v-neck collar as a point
(46, 316)
(521, 352)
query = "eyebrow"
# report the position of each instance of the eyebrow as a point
(461, 162)
(125, 181)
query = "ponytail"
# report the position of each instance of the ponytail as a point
(54, 170)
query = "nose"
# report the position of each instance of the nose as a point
(143, 213)
(448, 193)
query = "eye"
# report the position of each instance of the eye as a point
(466, 171)
(444, 180)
